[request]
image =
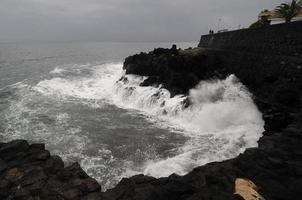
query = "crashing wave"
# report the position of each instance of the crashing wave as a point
(218, 117)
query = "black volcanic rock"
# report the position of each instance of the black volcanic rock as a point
(30, 172)
(265, 75)
(275, 79)
(172, 68)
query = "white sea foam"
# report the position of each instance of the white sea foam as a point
(57, 70)
(27, 122)
(95, 87)
(216, 105)
(222, 120)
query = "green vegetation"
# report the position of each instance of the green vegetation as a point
(193, 51)
(263, 21)
(289, 10)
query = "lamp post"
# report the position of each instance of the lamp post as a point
(219, 21)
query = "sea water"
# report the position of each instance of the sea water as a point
(70, 97)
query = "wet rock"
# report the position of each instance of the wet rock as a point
(33, 176)
(167, 67)
(32, 173)
(53, 164)
(92, 196)
(10, 150)
(137, 179)
(86, 185)
(276, 121)
(20, 193)
(288, 96)
(14, 174)
(72, 194)
(150, 81)
(4, 188)
(3, 166)
(72, 171)
(36, 147)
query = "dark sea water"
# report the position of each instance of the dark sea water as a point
(67, 95)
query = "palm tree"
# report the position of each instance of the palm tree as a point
(289, 10)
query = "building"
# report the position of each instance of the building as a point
(274, 18)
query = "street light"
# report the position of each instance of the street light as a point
(219, 20)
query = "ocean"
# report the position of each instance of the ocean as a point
(70, 97)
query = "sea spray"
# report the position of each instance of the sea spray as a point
(218, 115)
(213, 105)
(221, 120)
(218, 119)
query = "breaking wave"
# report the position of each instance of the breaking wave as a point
(218, 118)
(221, 118)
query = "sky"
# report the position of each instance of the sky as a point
(123, 20)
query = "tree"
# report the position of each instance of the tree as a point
(262, 22)
(289, 10)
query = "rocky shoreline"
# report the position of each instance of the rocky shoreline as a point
(28, 171)
(275, 166)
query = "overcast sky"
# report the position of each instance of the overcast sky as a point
(123, 20)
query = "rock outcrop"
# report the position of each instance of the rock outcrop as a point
(272, 70)
(29, 172)
(176, 70)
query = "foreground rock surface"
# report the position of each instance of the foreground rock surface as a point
(30, 172)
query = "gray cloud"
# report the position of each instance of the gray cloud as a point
(123, 20)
